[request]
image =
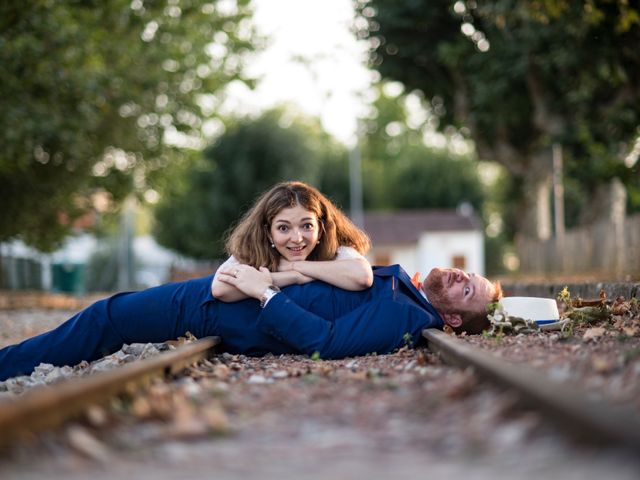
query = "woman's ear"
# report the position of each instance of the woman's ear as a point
(454, 320)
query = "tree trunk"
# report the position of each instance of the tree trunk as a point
(534, 211)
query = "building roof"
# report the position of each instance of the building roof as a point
(406, 226)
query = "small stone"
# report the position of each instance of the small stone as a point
(410, 365)
(560, 373)
(351, 364)
(191, 388)
(96, 416)
(258, 379)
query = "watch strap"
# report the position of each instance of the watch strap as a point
(269, 292)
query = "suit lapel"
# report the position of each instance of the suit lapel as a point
(398, 272)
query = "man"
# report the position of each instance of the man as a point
(309, 318)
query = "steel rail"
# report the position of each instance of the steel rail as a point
(574, 409)
(47, 407)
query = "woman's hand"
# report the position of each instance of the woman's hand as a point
(248, 280)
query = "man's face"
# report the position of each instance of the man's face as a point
(451, 290)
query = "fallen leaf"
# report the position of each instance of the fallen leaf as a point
(593, 333)
(186, 423)
(620, 307)
(215, 418)
(221, 371)
(602, 364)
(82, 441)
(461, 386)
(141, 407)
(359, 375)
(421, 358)
(326, 369)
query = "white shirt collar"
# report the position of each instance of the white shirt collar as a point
(423, 293)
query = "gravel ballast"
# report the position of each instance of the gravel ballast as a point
(403, 415)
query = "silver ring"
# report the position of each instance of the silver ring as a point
(235, 274)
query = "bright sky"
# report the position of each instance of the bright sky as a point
(313, 61)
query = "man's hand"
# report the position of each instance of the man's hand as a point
(247, 279)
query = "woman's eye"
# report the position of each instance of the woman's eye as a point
(309, 226)
(282, 228)
(466, 290)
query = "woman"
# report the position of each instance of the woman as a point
(299, 235)
(293, 230)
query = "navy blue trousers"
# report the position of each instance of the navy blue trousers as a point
(154, 315)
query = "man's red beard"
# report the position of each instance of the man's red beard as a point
(434, 288)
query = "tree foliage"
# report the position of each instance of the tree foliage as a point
(518, 76)
(247, 160)
(401, 172)
(92, 91)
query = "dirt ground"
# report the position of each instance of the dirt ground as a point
(404, 415)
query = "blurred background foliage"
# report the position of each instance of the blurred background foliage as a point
(251, 156)
(98, 96)
(517, 76)
(104, 99)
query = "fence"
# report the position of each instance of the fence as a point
(605, 248)
(20, 273)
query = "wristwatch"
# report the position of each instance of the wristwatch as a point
(269, 292)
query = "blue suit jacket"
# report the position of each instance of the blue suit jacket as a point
(315, 317)
(318, 317)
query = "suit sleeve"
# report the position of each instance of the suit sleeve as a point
(379, 326)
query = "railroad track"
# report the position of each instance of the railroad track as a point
(569, 407)
(43, 408)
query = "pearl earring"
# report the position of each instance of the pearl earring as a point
(273, 245)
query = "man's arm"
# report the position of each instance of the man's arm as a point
(378, 326)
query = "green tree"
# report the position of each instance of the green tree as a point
(519, 76)
(437, 179)
(400, 170)
(98, 95)
(248, 159)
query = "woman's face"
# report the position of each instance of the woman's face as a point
(295, 233)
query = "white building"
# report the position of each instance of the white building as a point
(422, 239)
